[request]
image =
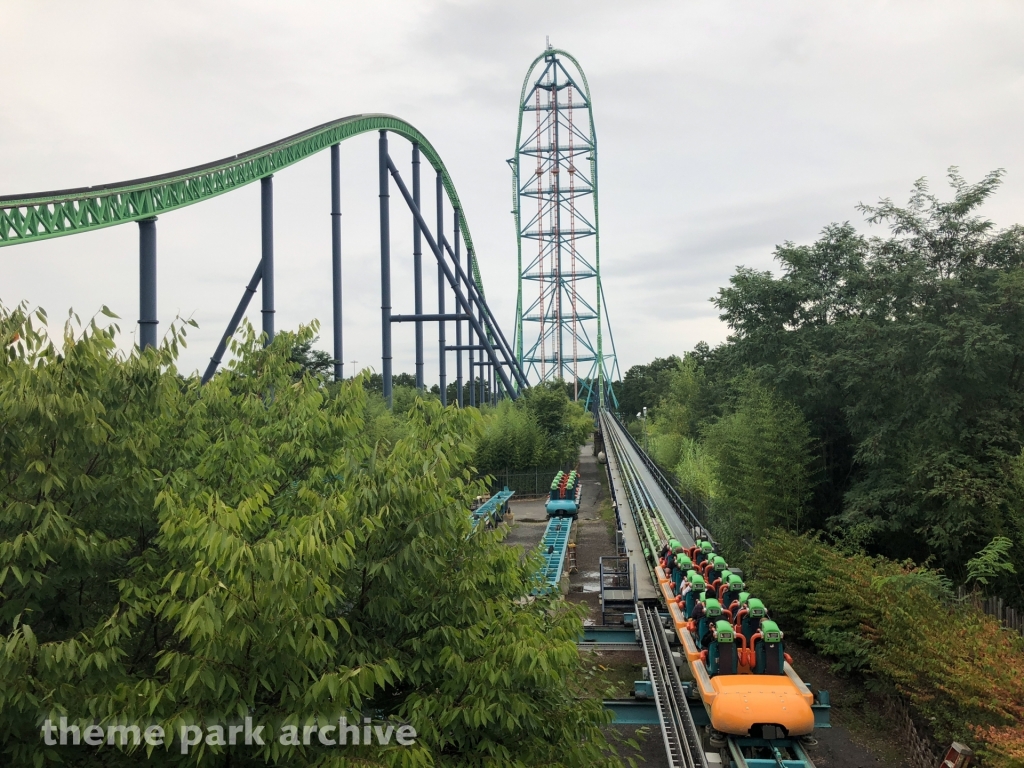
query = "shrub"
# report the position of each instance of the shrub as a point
(180, 554)
(543, 428)
(894, 622)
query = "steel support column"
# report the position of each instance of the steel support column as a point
(442, 372)
(475, 296)
(267, 232)
(339, 356)
(147, 283)
(236, 318)
(457, 237)
(438, 250)
(558, 227)
(417, 267)
(470, 340)
(482, 380)
(385, 269)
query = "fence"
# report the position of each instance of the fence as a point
(917, 747)
(526, 482)
(1010, 618)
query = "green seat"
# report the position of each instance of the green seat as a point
(712, 614)
(731, 594)
(696, 587)
(722, 657)
(769, 652)
(751, 619)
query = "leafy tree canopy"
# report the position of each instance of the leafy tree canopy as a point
(179, 554)
(542, 428)
(644, 385)
(904, 355)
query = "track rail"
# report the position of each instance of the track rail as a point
(682, 739)
(680, 734)
(683, 744)
(649, 518)
(681, 507)
(553, 546)
(26, 217)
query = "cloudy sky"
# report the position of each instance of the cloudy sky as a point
(724, 129)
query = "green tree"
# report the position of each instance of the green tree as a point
(695, 470)
(906, 356)
(311, 362)
(644, 385)
(511, 439)
(565, 423)
(192, 555)
(762, 463)
(677, 416)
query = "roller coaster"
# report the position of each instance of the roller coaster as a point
(724, 688)
(741, 703)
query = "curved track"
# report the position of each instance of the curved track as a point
(39, 216)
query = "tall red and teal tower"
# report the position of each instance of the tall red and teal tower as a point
(561, 313)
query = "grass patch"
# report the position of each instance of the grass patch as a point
(611, 675)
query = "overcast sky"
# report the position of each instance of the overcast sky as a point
(723, 129)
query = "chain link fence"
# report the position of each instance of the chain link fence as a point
(525, 482)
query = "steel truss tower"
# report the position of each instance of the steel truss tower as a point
(560, 311)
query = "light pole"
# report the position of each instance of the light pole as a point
(643, 418)
(353, 367)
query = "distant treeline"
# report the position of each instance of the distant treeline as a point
(871, 389)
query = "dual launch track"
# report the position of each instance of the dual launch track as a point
(650, 512)
(639, 506)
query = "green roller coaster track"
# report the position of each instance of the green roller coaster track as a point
(40, 216)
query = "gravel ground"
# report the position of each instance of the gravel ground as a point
(529, 522)
(860, 737)
(594, 536)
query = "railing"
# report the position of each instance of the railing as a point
(527, 482)
(665, 484)
(553, 547)
(492, 510)
(618, 588)
(1009, 617)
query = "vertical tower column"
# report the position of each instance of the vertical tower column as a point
(556, 156)
(385, 269)
(457, 238)
(442, 373)
(267, 231)
(339, 356)
(482, 398)
(417, 266)
(147, 283)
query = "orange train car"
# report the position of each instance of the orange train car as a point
(737, 698)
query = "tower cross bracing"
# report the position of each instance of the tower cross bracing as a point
(560, 311)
